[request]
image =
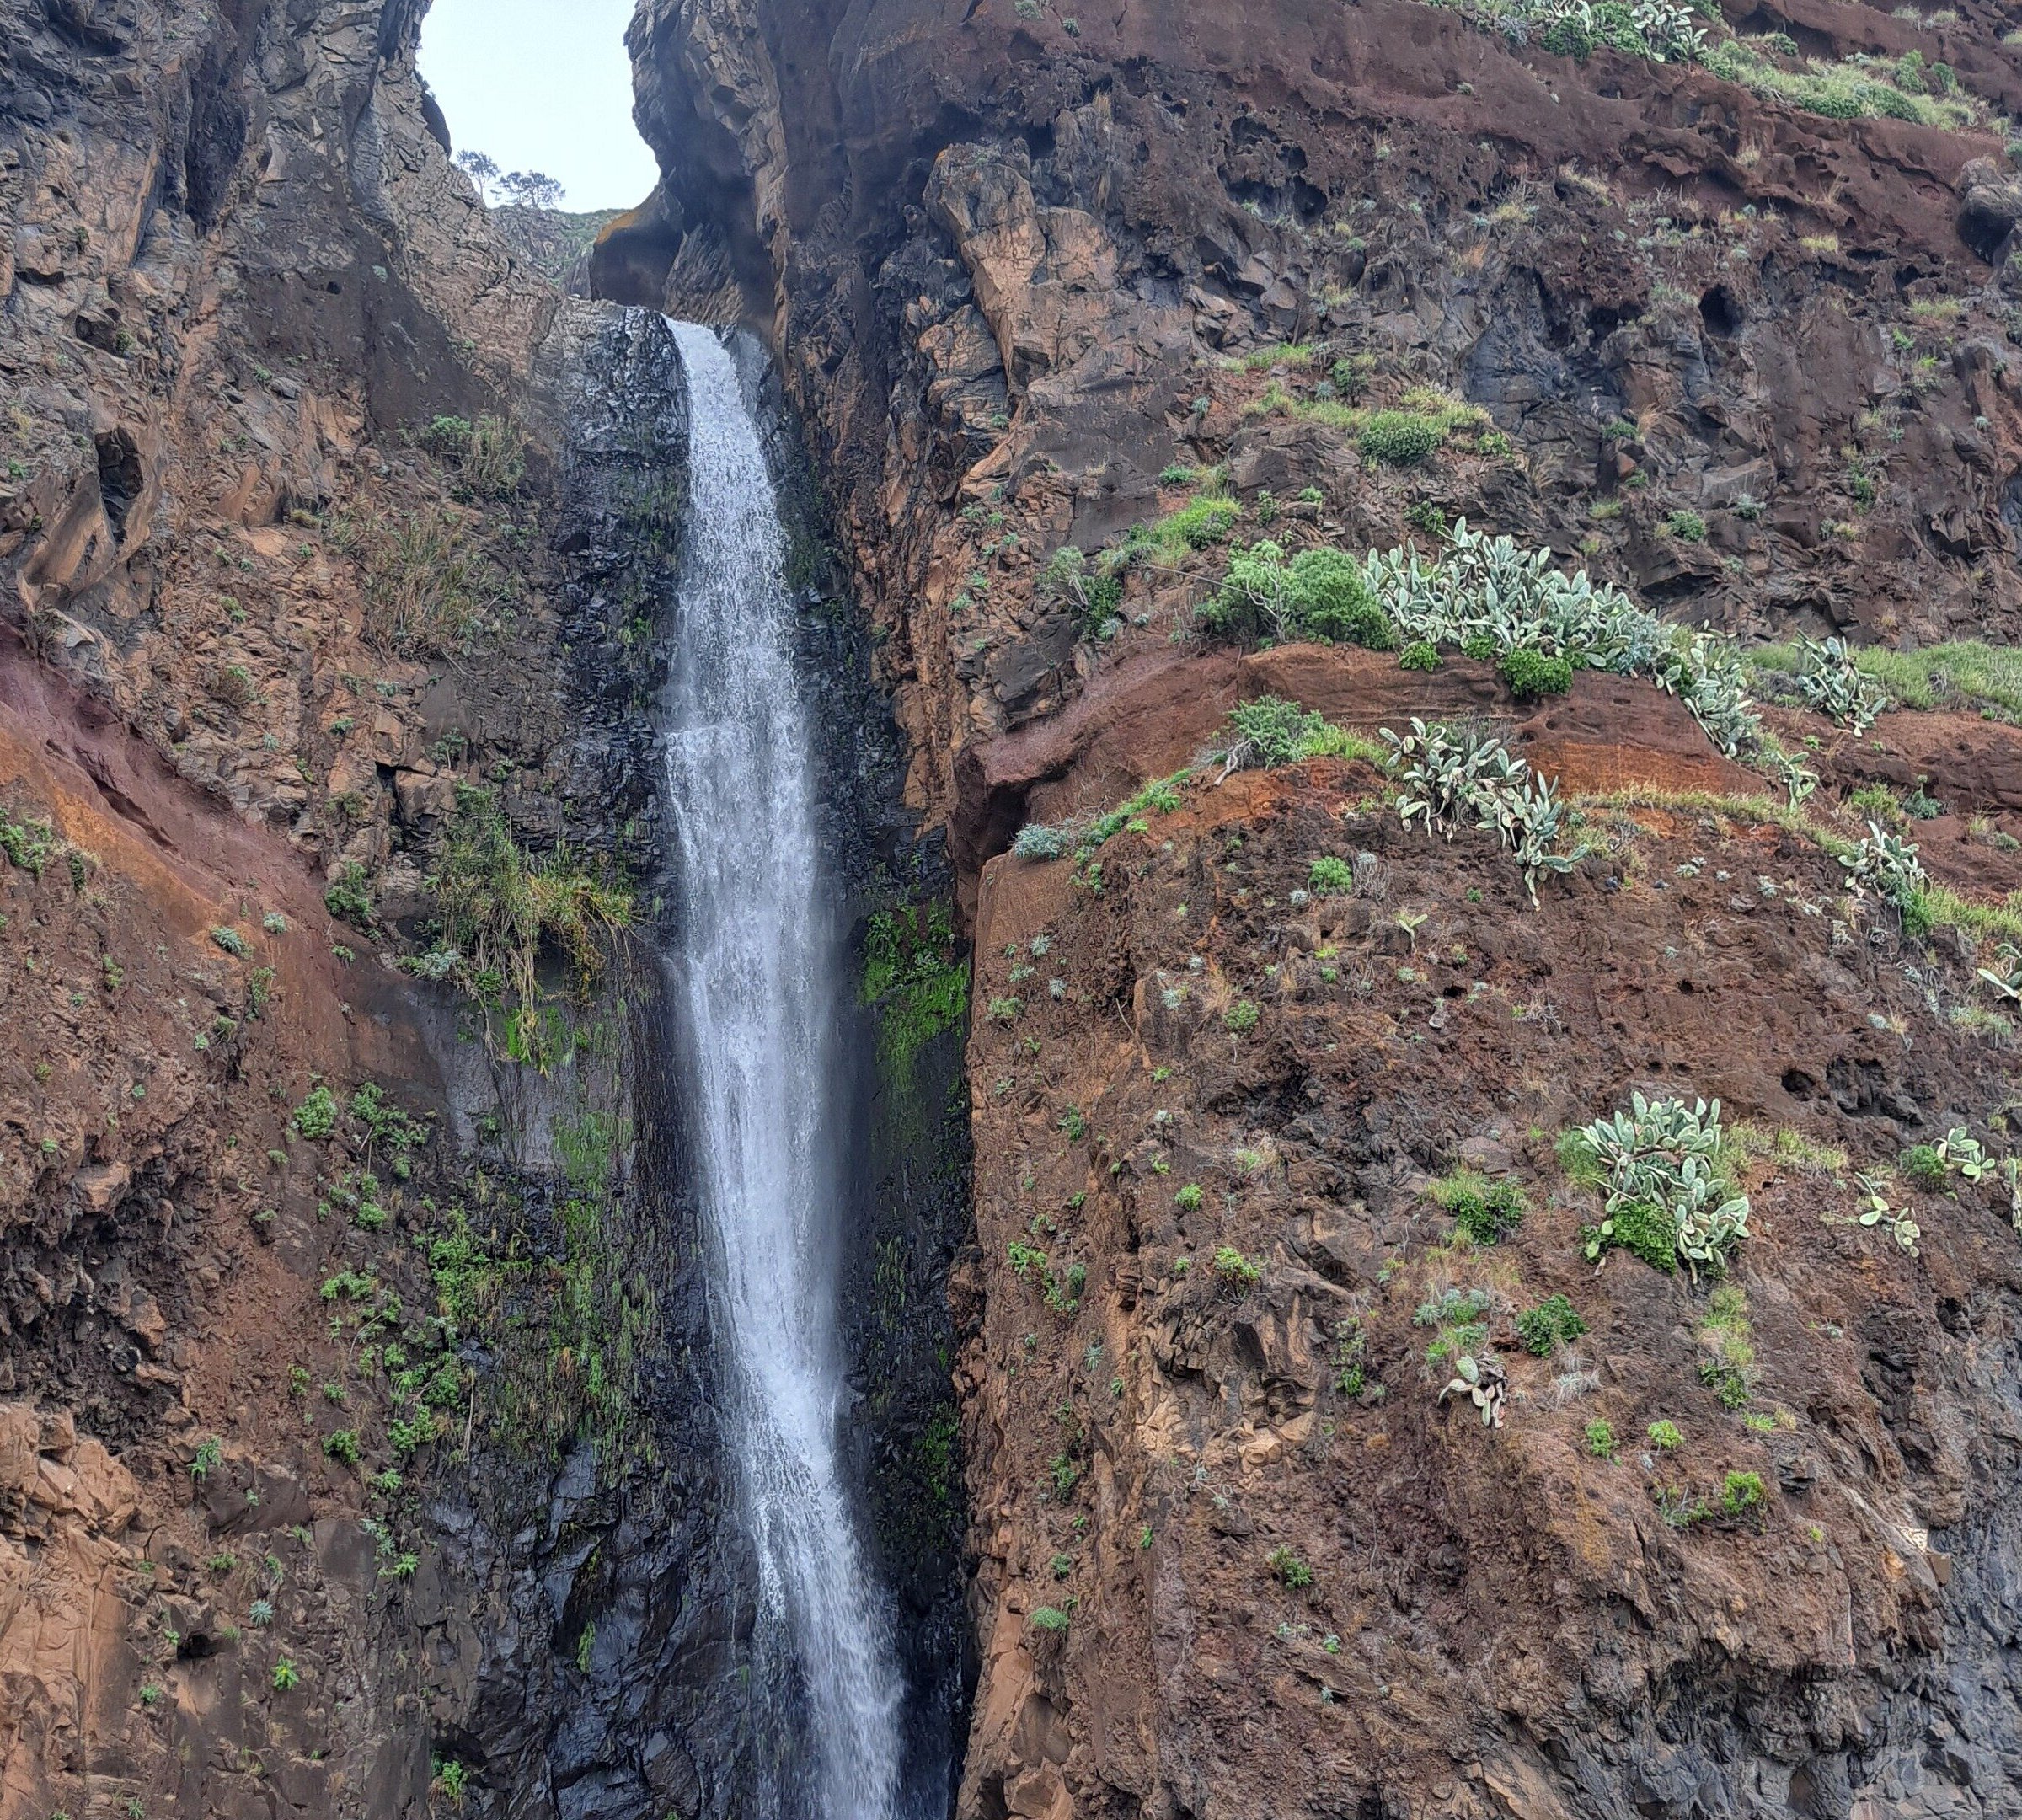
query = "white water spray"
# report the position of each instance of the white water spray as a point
(758, 976)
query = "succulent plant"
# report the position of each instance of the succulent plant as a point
(1829, 683)
(1886, 865)
(1876, 1209)
(2007, 983)
(1664, 1153)
(1486, 591)
(1483, 1383)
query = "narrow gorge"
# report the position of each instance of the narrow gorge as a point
(1135, 935)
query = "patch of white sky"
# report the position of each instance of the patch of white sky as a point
(542, 85)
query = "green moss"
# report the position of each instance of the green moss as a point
(916, 979)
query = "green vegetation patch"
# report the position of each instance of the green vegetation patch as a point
(915, 978)
(498, 908)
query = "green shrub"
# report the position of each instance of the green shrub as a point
(1665, 1438)
(1241, 1017)
(1188, 1198)
(1641, 1228)
(349, 897)
(1328, 599)
(1743, 1492)
(1094, 595)
(1402, 438)
(287, 1675)
(1601, 1440)
(500, 908)
(1531, 674)
(1200, 526)
(1051, 1619)
(1923, 1164)
(316, 1117)
(342, 1446)
(1331, 877)
(426, 582)
(1232, 1267)
(1489, 1215)
(1687, 527)
(1543, 1328)
(1728, 1382)
(28, 844)
(1287, 1567)
(1419, 656)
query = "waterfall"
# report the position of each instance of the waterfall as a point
(757, 975)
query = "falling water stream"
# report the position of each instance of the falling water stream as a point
(756, 974)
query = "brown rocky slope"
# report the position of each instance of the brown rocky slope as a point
(1740, 1547)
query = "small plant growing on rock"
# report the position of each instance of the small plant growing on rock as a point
(1050, 1620)
(1886, 866)
(210, 1454)
(1664, 1437)
(342, 1446)
(1829, 681)
(1447, 775)
(231, 941)
(286, 1676)
(1483, 1383)
(1923, 1165)
(1036, 841)
(316, 1117)
(349, 895)
(2007, 980)
(1288, 1568)
(1188, 1200)
(1489, 1215)
(1234, 1268)
(1726, 1329)
(1687, 527)
(1331, 877)
(1241, 1018)
(1401, 439)
(1552, 1323)
(1418, 655)
(1601, 1441)
(1743, 1492)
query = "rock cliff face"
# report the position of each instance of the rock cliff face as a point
(1337, 276)
(297, 555)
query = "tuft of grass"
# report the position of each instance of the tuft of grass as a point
(426, 587)
(1207, 521)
